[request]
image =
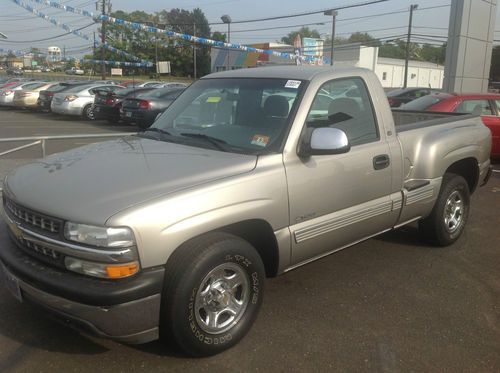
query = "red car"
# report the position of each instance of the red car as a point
(485, 104)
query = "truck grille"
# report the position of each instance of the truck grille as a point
(40, 249)
(32, 219)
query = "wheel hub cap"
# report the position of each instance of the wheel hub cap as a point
(222, 298)
(454, 212)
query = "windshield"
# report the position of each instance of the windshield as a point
(161, 93)
(79, 88)
(422, 103)
(33, 85)
(246, 115)
(397, 92)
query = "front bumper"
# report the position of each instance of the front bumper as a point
(126, 310)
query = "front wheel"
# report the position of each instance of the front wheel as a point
(213, 291)
(449, 216)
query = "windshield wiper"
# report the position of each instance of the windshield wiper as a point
(157, 130)
(217, 143)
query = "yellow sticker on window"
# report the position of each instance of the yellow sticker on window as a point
(260, 140)
(213, 99)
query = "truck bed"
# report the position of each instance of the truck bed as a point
(406, 120)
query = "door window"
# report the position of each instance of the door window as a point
(479, 107)
(345, 104)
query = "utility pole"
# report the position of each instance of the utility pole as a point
(194, 52)
(408, 40)
(156, 56)
(93, 56)
(334, 14)
(227, 19)
(103, 41)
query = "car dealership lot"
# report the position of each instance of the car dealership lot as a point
(388, 304)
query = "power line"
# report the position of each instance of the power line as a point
(46, 39)
(304, 13)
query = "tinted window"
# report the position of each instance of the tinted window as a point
(422, 103)
(396, 92)
(351, 111)
(480, 107)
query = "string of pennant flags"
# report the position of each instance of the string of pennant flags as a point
(55, 22)
(172, 34)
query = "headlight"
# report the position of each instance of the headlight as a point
(99, 236)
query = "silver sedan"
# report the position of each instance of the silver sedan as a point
(79, 100)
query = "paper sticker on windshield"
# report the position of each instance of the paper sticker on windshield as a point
(260, 140)
(292, 84)
(214, 99)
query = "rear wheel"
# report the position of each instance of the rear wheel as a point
(88, 112)
(213, 291)
(449, 216)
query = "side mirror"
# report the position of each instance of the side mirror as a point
(325, 141)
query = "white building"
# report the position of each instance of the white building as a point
(390, 71)
(54, 54)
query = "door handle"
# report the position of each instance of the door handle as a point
(381, 161)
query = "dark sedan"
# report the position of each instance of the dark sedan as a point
(402, 96)
(144, 109)
(107, 105)
(45, 97)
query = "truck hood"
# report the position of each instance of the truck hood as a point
(94, 182)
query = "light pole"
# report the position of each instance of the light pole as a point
(227, 19)
(334, 14)
(194, 52)
(407, 58)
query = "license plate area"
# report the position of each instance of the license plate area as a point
(11, 283)
(128, 114)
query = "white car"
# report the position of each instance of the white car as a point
(79, 100)
(171, 85)
(7, 94)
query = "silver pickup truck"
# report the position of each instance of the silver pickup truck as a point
(249, 173)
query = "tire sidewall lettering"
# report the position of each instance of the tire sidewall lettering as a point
(215, 340)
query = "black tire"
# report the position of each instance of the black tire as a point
(444, 226)
(88, 112)
(191, 293)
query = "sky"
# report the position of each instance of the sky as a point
(26, 30)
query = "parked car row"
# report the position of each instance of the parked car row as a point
(129, 102)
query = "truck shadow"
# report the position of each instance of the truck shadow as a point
(30, 328)
(407, 235)
(34, 328)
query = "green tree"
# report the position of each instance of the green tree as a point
(219, 36)
(363, 38)
(304, 32)
(143, 44)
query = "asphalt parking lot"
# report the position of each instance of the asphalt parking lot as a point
(389, 304)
